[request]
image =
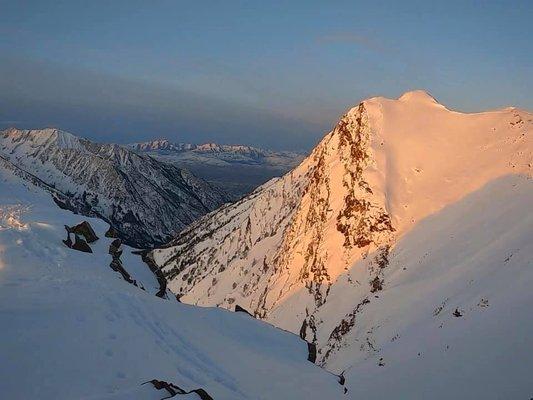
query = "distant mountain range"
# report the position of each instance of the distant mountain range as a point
(235, 169)
(221, 152)
(145, 200)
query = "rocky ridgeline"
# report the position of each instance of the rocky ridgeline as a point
(84, 236)
(144, 200)
(280, 239)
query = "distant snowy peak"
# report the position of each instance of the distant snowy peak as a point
(42, 139)
(145, 200)
(161, 144)
(166, 145)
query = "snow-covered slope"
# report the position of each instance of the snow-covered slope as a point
(145, 200)
(235, 169)
(72, 328)
(404, 207)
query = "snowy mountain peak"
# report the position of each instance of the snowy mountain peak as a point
(417, 96)
(312, 251)
(145, 200)
(43, 138)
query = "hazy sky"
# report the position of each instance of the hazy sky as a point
(266, 73)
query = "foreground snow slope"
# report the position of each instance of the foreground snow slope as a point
(146, 201)
(71, 328)
(322, 250)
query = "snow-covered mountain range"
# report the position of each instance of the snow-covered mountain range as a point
(145, 200)
(72, 327)
(220, 153)
(234, 169)
(402, 246)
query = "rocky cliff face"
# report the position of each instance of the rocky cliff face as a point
(293, 235)
(146, 201)
(316, 249)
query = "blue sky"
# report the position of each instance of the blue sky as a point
(272, 74)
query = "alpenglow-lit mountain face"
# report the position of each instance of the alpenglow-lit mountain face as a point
(144, 200)
(401, 246)
(234, 169)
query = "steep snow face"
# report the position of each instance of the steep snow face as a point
(453, 319)
(311, 251)
(72, 328)
(145, 200)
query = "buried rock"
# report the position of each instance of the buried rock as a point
(83, 229)
(174, 390)
(311, 350)
(83, 235)
(68, 241)
(80, 244)
(148, 259)
(238, 308)
(115, 248)
(116, 265)
(111, 232)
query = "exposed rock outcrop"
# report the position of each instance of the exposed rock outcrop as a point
(174, 390)
(86, 230)
(115, 249)
(149, 261)
(83, 235)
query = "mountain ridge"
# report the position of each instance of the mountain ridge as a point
(208, 147)
(325, 233)
(112, 182)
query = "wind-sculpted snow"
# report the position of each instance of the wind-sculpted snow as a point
(72, 328)
(316, 251)
(146, 201)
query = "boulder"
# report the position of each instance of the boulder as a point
(311, 349)
(111, 232)
(115, 248)
(174, 390)
(238, 308)
(81, 245)
(83, 229)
